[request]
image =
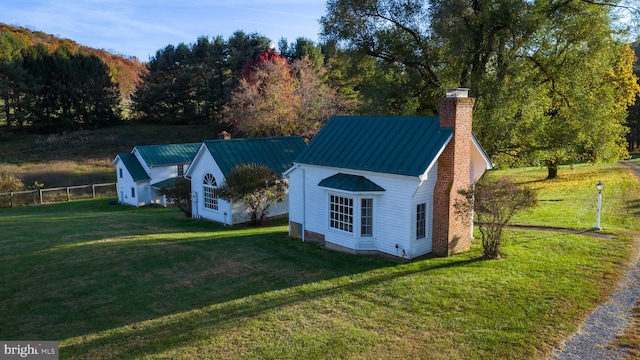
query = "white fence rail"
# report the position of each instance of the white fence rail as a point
(60, 194)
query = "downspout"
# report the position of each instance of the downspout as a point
(304, 204)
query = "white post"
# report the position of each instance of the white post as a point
(599, 186)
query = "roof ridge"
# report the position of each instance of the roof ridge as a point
(254, 138)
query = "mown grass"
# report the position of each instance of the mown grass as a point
(118, 282)
(570, 201)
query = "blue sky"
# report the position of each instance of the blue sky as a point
(141, 27)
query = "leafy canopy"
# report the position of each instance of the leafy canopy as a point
(543, 71)
(255, 185)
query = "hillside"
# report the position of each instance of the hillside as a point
(84, 157)
(125, 71)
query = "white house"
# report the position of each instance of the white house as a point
(216, 158)
(385, 185)
(146, 169)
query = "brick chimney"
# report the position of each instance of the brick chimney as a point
(223, 135)
(451, 232)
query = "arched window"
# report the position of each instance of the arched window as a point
(210, 196)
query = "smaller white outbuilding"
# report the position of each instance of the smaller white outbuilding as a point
(387, 184)
(216, 158)
(142, 172)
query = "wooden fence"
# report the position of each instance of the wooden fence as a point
(45, 196)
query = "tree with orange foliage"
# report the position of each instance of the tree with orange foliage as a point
(275, 98)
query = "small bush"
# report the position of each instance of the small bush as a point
(9, 182)
(494, 203)
(180, 195)
(258, 186)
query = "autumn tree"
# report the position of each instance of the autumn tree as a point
(275, 98)
(256, 186)
(265, 102)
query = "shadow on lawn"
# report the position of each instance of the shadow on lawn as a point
(208, 321)
(81, 269)
(633, 207)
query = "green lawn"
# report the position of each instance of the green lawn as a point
(118, 282)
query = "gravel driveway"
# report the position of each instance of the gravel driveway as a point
(608, 320)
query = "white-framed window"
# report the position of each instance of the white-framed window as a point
(133, 192)
(341, 213)
(366, 217)
(421, 221)
(180, 170)
(120, 173)
(209, 192)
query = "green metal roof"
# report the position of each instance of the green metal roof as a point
(401, 145)
(159, 185)
(275, 152)
(350, 183)
(170, 154)
(134, 167)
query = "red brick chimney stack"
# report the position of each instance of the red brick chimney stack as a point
(451, 233)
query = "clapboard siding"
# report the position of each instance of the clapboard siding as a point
(202, 165)
(424, 195)
(392, 209)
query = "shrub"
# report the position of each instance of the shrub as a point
(9, 182)
(494, 203)
(258, 186)
(180, 194)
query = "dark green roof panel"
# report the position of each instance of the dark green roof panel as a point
(170, 154)
(133, 166)
(164, 183)
(277, 152)
(352, 183)
(401, 145)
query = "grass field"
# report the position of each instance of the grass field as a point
(118, 282)
(84, 157)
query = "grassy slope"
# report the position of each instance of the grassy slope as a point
(81, 158)
(147, 283)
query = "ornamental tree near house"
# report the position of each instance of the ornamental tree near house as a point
(257, 186)
(494, 202)
(180, 194)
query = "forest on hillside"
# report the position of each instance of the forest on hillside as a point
(553, 82)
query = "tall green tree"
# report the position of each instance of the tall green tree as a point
(190, 84)
(633, 119)
(535, 67)
(60, 91)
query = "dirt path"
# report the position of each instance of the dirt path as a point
(593, 339)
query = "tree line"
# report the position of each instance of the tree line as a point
(553, 79)
(47, 91)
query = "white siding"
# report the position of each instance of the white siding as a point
(125, 183)
(227, 213)
(392, 210)
(296, 195)
(478, 164)
(202, 165)
(161, 173)
(424, 195)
